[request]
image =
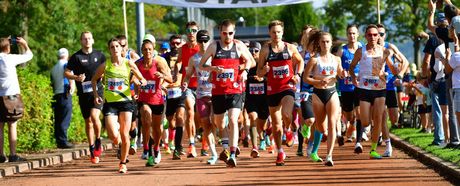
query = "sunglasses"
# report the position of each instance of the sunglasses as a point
(203, 41)
(228, 33)
(123, 45)
(191, 30)
(382, 34)
(373, 35)
(176, 43)
(254, 50)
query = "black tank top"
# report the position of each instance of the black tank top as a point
(226, 54)
(273, 56)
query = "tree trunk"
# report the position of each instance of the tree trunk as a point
(417, 51)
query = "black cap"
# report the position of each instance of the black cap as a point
(255, 44)
(202, 36)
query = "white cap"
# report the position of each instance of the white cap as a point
(456, 23)
(63, 52)
(150, 38)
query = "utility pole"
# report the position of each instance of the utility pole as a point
(140, 25)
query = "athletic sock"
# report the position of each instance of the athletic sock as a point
(359, 131)
(172, 133)
(300, 139)
(178, 138)
(373, 146)
(317, 141)
(150, 146)
(225, 143)
(192, 141)
(388, 144)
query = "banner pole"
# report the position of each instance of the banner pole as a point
(378, 10)
(125, 21)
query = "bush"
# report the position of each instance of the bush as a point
(36, 129)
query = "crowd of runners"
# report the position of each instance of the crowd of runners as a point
(264, 95)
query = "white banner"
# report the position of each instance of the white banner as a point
(221, 3)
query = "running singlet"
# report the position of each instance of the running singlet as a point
(187, 53)
(305, 88)
(150, 93)
(254, 87)
(81, 63)
(370, 68)
(281, 71)
(204, 85)
(227, 81)
(390, 77)
(116, 80)
(346, 84)
(325, 69)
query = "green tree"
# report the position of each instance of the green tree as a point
(295, 17)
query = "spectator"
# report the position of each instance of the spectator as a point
(423, 101)
(63, 90)
(164, 48)
(11, 102)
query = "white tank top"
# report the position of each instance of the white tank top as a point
(325, 69)
(369, 70)
(204, 87)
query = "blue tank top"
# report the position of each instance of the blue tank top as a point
(390, 78)
(346, 84)
(304, 86)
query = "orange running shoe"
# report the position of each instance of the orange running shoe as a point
(191, 152)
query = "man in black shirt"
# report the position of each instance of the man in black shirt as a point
(81, 68)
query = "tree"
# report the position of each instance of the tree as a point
(295, 17)
(404, 19)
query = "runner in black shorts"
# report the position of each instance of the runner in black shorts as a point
(81, 67)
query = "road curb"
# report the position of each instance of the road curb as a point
(8, 169)
(445, 169)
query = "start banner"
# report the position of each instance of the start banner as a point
(221, 3)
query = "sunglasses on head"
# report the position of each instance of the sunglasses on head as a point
(382, 34)
(228, 33)
(191, 30)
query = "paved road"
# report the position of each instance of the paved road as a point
(349, 169)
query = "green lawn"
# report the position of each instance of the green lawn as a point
(423, 140)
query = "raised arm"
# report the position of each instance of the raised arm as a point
(431, 8)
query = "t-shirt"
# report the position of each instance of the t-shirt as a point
(81, 63)
(60, 83)
(455, 64)
(430, 47)
(438, 66)
(9, 84)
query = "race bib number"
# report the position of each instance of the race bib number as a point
(87, 87)
(226, 75)
(371, 82)
(304, 96)
(174, 93)
(149, 88)
(281, 71)
(116, 84)
(256, 88)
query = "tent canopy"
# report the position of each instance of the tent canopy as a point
(221, 3)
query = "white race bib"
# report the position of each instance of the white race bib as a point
(370, 83)
(256, 88)
(226, 75)
(304, 96)
(116, 84)
(87, 87)
(150, 87)
(174, 93)
(281, 71)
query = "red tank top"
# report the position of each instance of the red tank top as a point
(281, 71)
(243, 85)
(187, 53)
(226, 82)
(150, 93)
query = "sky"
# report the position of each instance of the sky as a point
(318, 3)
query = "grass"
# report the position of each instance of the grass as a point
(423, 140)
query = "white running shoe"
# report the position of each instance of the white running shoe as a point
(388, 152)
(157, 159)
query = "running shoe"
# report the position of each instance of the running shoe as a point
(150, 162)
(341, 140)
(358, 148)
(315, 158)
(379, 143)
(167, 150)
(191, 152)
(365, 138)
(132, 147)
(237, 152)
(204, 152)
(231, 162)
(329, 161)
(374, 155)
(289, 139)
(122, 168)
(94, 159)
(350, 139)
(212, 160)
(388, 153)
(254, 153)
(299, 153)
(157, 159)
(176, 155)
(224, 155)
(98, 148)
(145, 155)
(263, 145)
(271, 149)
(171, 145)
(280, 159)
(305, 131)
(309, 149)
(182, 152)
